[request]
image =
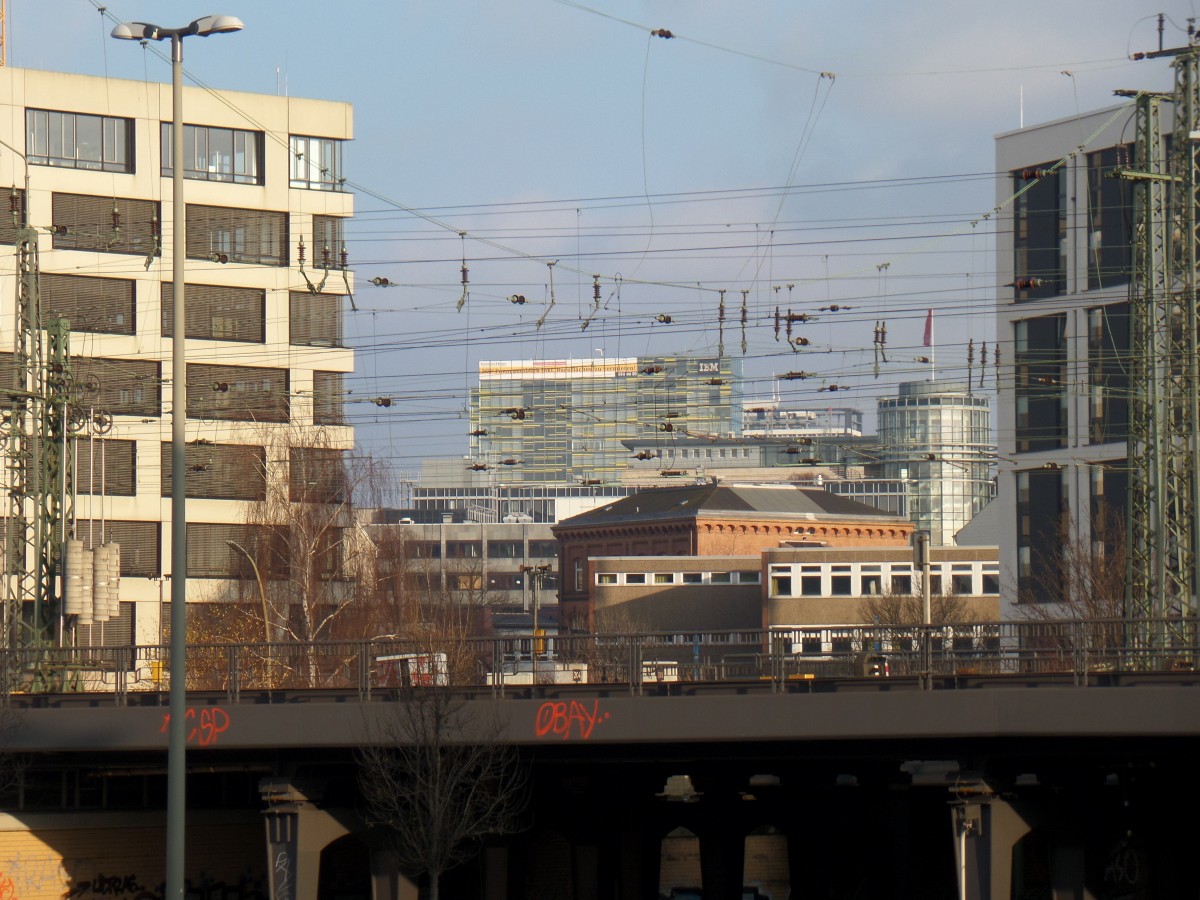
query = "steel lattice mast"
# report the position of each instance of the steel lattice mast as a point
(1164, 417)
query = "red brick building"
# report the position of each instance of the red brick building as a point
(711, 520)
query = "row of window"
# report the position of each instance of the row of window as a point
(539, 549)
(609, 578)
(214, 312)
(106, 143)
(963, 579)
(133, 387)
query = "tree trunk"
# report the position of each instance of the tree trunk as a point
(434, 879)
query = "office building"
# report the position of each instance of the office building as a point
(563, 421)
(1063, 260)
(935, 437)
(88, 160)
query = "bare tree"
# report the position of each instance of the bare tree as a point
(440, 781)
(901, 609)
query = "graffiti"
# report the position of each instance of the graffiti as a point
(210, 723)
(283, 876)
(32, 876)
(567, 720)
(129, 887)
(8, 891)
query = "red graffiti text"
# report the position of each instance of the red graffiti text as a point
(567, 720)
(209, 723)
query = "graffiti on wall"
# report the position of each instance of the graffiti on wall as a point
(208, 723)
(103, 886)
(568, 719)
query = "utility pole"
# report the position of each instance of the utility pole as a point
(1163, 573)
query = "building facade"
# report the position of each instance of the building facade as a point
(936, 437)
(87, 160)
(563, 421)
(1063, 258)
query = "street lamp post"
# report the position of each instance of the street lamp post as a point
(176, 733)
(536, 574)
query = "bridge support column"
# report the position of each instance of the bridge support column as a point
(986, 828)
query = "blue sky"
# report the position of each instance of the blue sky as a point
(557, 131)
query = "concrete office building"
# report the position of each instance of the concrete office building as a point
(1063, 260)
(89, 160)
(563, 420)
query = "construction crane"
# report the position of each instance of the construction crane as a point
(1163, 562)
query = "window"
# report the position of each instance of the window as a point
(215, 154)
(504, 549)
(423, 550)
(781, 585)
(316, 163)
(840, 585)
(227, 234)
(106, 467)
(1041, 376)
(316, 475)
(664, 578)
(211, 552)
(810, 585)
(218, 471)
(315, 320)
(1110, 219)
(635, 578)
(1109, 365)
(872, 584)
(101, 305)
(606, 578)
(693, 578)
(810, 643)
(123, 387)
(465, 581)
(543, 549)
(237, 393)
(720, 578)
(749, 577)
(505, 581)
(991, 583)
(78, 140)
(218, 313)
(328, 239)
(1039, 232)
(139, 543)
(961, 584)
(328, 398)
(902, 584)
(464, 550)
(106, 224)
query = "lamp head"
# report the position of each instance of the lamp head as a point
(215, 25)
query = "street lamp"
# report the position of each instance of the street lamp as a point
(536, 574)
(176, 733)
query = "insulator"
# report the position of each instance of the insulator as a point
(721, 307)
(73, 591)
(325, 256)
(664, 33)
(799, 341)
(1047, 379)
(1033, 174)
(380, 281)
(777, 321)
(510, 462)
(666, 426)
(478, 432)
(645, 454)
(517, 299)
(14, 202)
(596, 288)
(220, 387)
(835, 387)
(465, 270)
(715, 381)
(300, 253)
(921, 359)
(515, 412)
(116, 217)
(796, 376)
(652, 370)
(100, 584)
(382, 401)
(665, 319)
(1026, 284)
(345, 256)
(154, 224)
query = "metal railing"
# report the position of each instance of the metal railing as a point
(1081, 652)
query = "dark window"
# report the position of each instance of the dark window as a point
(902, 584)
(810, 585)
(504, 549)
(1110, 219)
(635, 578)
(872, 584)
(1109, 366)
(1039, 232)
(237, 393)
(990, 583)
(316, 163)
(693, 578)
(106, 224)
(423, 549)
(115, 632)
(219, 471)
(810, 644)
(215, 154)
(841, 643)
(139, 543)
(315, 320)
(78, 140)
(961, 584)
(840, 585)
(316, 475)
(543, 549)
(105, 467)
(103, 305)
(505, 581)
(10, 222)
(124, 387)
(1109, 506)
(1041, 377)
(219, 550)
(227, 234)
(781, 585)
(464, 550)
(328, 398)
(935, 584)
(218, 313)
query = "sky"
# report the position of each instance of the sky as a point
(796, 154)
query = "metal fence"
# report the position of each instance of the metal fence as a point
(1081, 652)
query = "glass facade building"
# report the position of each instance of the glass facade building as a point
(935, 437)
(563, 420)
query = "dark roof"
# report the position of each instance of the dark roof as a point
(689, 501)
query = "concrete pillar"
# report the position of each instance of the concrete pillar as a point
(297, 832)
(985, 830)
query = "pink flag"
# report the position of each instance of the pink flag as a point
(929, 329)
